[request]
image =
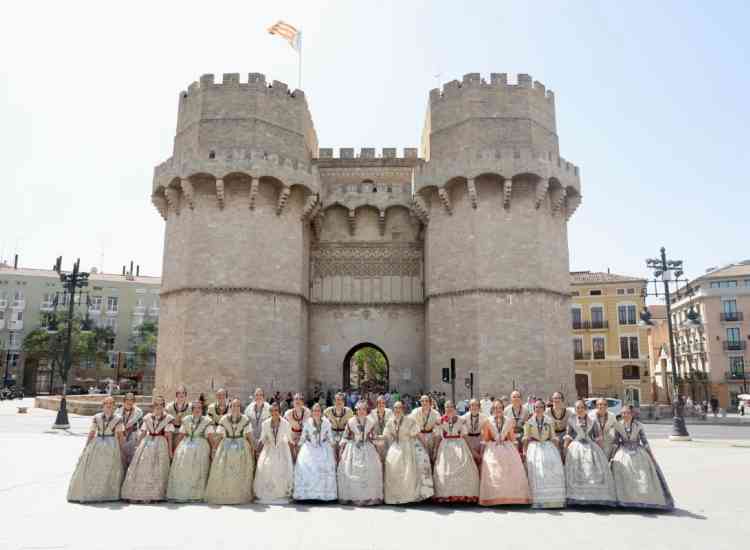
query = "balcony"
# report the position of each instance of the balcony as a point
(15, 325)
(113, 312)
(696, 376)
(598, 324)
(139, 310)
(734, 345)
(738, 376)
(581, 355)
(599, 355)
(731, 316)
(18, 304)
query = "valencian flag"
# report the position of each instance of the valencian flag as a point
(289, 33)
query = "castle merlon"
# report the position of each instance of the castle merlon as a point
(255, 82)
(498, 82)
(367, 153)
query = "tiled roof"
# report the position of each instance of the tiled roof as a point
(741, 269)
(587, 277)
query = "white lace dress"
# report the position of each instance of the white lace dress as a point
(543, 465)
(231, 478)
(98, 474)
(131, 423)
(192, 461)
(360, 472)
(148, 473)
(274, 474)
(408, 473)
(315, 470)
(588, 477)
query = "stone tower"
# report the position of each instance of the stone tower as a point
(282, 259)
(236, 196)
(495, 197)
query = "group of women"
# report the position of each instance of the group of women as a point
(546, 458)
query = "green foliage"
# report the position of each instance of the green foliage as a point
(372, 364)
(143, 342)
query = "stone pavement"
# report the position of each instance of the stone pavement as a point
(709, 479)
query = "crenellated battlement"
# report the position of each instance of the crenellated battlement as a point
(367, 153)
(498, 83)
(255, 82)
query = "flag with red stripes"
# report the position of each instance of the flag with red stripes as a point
(288, 33)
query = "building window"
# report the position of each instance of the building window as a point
(729, 306)
(737, 366)
(13, 340)
(723, 284)
(112, 357)
(631, 372)
(597, 344)
(733, 334)
(595, 292)
(620, 291)
(575, 293)
(597, 317)
(626, 314)
(95, 303)
(629, 347)
(112, 304)
(576, 313)
(577, 348)
(111, 322)
(631, 291)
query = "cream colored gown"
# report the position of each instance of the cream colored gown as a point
(428, 427)
(148, 473)
(98, 474)
(231, 478)
(192, 461)
(455, 474)
(378, 437)
(274, 475)
(360, 472)
(408, 473)
(544, 467)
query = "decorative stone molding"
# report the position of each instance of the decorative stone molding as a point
(233, 290)
(352, 221)
(366, 260)
(161, 204)
(220, 192)
(572, 202)
(507, 187)
(541, 191)
(283, 198)
(445, 198)
(173, 199)
(187, 192)
(381, 222)
(254, 184)
(310, 205)
(471, 187)
(496, 290)
(317, 223)
(420, 209)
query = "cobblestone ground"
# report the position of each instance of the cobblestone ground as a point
(708, 476)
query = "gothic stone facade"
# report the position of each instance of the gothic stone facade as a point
(280, 256)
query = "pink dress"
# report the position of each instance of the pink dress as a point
(503, 479)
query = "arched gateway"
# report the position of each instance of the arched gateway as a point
(366, 368)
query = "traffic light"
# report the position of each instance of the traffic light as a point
(446, 375)
(453, 368)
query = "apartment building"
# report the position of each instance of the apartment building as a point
(610, 349)
(29, 296)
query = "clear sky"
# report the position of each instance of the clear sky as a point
(651, 104)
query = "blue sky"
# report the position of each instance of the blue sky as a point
(651, 104)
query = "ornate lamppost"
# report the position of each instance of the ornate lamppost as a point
(668, 272)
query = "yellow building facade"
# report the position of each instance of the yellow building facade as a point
(610, 349)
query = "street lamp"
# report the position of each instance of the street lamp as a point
(669, 271)
(72, 282)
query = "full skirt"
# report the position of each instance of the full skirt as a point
(639, 482)
(588, 478)
(456, 475)
(231, 478)
(408, 473)
(128, 448)
(98, 474)
(148, 472)
(503, 478)
(274, 475)
(546, 475)
(189, 472)
(360, 475)
(315, 473)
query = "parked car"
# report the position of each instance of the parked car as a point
(614, 405)
(77, 390)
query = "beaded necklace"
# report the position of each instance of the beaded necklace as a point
(275, 431)
(539, 424)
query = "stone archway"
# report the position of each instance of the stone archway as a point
(366, 368)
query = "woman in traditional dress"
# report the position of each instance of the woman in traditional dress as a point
(543, 464)
(148, 474)
(360, 472)
(98, 474)
(381, 415)
(475, 420)
(606, 423)
(192, 459)
(519, 414)
(639, 482)
(315, 469)
(559, 415)
(297, 415)
(258, 412)
(274, 475)
(408, 473)
(230, 480)
(503, 479)
(428, 420)
(588, 479)
(178, 409)
(338, 415)
(132, 417)
(455, 475)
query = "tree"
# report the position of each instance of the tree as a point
(372, 368)
(42, 345)
(95, 345)
(143, 343)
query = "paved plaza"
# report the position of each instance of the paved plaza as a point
(708, 477)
